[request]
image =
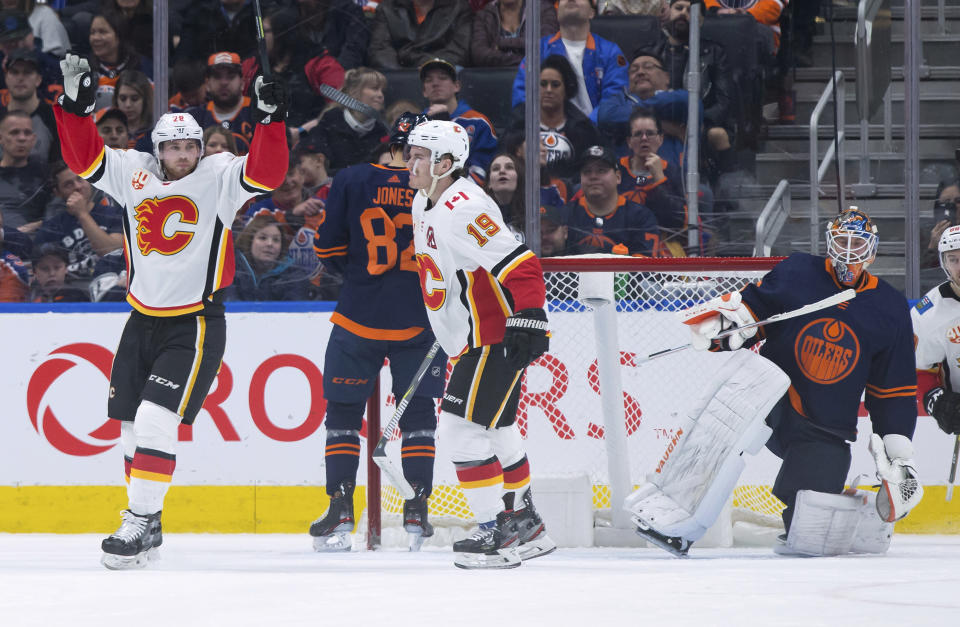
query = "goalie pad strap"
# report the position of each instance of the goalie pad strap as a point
(688, 489)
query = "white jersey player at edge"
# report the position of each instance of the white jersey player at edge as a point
(484, 295)
(936, 329)
(178, 210)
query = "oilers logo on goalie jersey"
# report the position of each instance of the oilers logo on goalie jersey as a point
(826, 350)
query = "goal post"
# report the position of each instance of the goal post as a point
(591, 407)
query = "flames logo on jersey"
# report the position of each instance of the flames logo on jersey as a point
(139, 179)
(153, 215)
(827, 350)
(433, 297)
(953, 335)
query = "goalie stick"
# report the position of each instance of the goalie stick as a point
(829, 301)
(380, 457)
(348, 101)
(953, 468)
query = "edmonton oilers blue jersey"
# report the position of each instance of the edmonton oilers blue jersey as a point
(834, 355)
(367, 237)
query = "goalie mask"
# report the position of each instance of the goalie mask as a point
(441, 138)
(173, 126)
(851, 244)
(949, 242)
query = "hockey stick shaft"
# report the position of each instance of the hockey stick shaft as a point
(261, 42)
(953, 468)
(380, 457)
(824, 303)
(347, 100)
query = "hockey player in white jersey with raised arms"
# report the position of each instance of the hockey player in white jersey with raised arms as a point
(178, 210)
(484, 295)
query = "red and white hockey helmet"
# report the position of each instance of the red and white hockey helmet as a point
(851, 243)
(173, 126)
(949, 241)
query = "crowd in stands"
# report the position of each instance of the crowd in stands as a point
(613, 121)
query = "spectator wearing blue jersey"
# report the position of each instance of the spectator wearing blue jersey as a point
(263, 269)
(440, 88)
(599, 64)
(84, 222)
(602, 221)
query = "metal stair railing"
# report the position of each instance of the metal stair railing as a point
(836, 150)
(771, 219)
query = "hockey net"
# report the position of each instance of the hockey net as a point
(561, 413)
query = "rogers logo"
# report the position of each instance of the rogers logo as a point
(101, 439)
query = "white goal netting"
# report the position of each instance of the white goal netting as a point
(560, 412)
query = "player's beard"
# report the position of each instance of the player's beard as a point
(228, 103)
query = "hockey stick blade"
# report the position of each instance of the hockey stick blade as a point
(380, 457)
(348, 101)
(953, 468)
(829, 301)
(393, 474)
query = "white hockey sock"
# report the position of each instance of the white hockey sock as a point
(478, 469)
(153, 461)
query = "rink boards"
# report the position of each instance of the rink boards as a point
(253, 462)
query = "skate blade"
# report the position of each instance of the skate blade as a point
(502, 558)
(336, 542)
(661, 541)
(125, 562)
(538, 547)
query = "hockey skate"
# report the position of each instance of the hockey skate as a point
(415, 520)
(491, 546)
(134, 543)
(675, 545)
(332, 531)
(534, 541)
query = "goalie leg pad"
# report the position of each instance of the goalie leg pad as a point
(689, 488)
(823, 524)
(873, 534)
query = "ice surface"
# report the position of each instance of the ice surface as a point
(234, 580)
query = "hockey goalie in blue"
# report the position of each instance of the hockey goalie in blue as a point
(830, 358)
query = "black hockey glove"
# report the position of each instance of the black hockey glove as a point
(525, 338)
(944, 405)
(271, 100)
(79, 86)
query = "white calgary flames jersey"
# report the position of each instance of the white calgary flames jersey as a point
(465, 253)
(175, 228)
(936, 328)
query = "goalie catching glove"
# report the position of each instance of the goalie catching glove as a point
(900, 491)
(79, 86)
(719, 314)
(271, 100)
(944, 406)
(525, 338)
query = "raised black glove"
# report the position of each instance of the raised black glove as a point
(525, 338)
(944, 406)
(79, 86)
(271, 100)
